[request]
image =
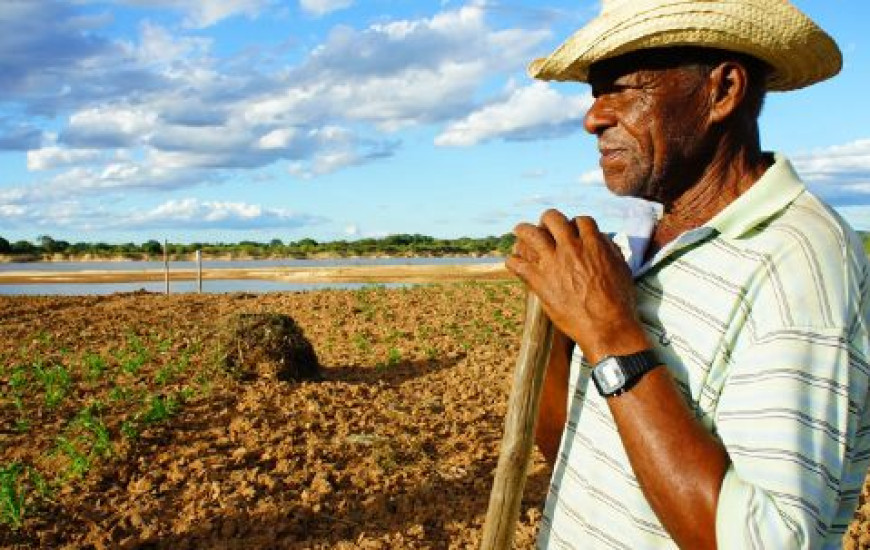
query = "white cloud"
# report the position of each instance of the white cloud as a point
(592, 177)
(848, 160)
(840, 173)
(109, 127)
(159, 46)
(205, 13)
(530, 112)
(11, 211)
(278, 139)
(397, 74)
(322, 7)
(49, 158)
(185, 214)
(195, 213)
(163, 111)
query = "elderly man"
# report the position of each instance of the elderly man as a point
(729, 373)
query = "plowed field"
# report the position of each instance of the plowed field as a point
(119, 428)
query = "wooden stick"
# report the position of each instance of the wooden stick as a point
(519, 431)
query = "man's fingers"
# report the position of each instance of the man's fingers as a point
(533, 237)
(525, 251)
(586, 226)
(520, 267)
(558, 226)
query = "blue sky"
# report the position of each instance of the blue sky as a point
(224, 120)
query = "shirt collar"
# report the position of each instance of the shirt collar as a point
(776, 189)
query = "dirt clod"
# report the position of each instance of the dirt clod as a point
(267, 345)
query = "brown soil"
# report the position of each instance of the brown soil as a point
(394, 448)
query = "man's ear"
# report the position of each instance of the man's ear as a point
(729, 81)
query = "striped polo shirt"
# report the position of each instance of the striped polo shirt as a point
(761, 316)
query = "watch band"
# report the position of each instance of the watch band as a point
(636, 365)
(616, 374)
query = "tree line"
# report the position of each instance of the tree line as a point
(47, 247)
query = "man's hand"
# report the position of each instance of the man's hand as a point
(583, 282)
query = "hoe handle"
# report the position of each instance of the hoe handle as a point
(518, 440)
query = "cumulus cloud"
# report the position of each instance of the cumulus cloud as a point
(532, 112)
(185, 214)
(52, 157)
(197, 214)
(18, 137)
(52, 58)
(109, 127)
(322, 7)
(205, 13)
(163, 112)
(399, 73)
(840, 173)
(592, 177)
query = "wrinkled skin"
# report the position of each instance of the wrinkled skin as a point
(675, 135)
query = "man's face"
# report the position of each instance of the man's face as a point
(651, 124)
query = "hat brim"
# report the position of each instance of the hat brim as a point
(797, 50)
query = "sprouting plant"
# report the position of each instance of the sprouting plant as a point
(184, 360)
(134, 356)
(44, 338)
(394, 357)
(129, 429)
(55, 383)
(160, 408)
(19, 380)
(89, 421)
(120, 393)
(164, 344)
(431, 352)
(93, 365)
(39, 483)
(362, 343)
(11, 495)
(79, 463)
(165, 374)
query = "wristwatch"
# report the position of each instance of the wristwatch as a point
(616, 374)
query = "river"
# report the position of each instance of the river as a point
(216, 286)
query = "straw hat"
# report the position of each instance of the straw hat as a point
(799, 52)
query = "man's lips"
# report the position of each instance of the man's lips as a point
(609, 154)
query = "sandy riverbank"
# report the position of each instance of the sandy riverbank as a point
(344, 274)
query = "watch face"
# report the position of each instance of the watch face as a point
(609, 376)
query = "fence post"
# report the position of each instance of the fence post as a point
(166, 264)
(199, 271)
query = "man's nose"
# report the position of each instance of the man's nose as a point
(598, 118)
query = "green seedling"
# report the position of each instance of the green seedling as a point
(11, 495)
(160, 409)
(39, 483)
(19, 380)
(120, 393)
(134, 356)
(87, 420)
(79, 463)
(165, 375)
(55, 383)
(431, 353)
(94, 366)
(22, 424)
(362, 343)
(394, 357)
(129, 429)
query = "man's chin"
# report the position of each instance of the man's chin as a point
(619, 187)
